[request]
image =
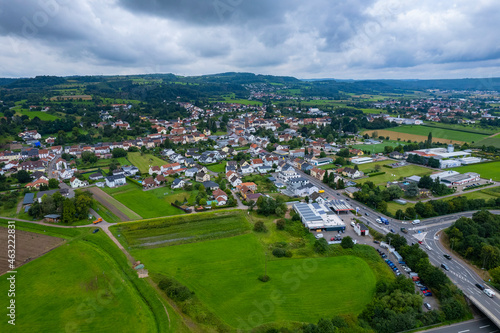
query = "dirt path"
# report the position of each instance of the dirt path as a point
(112, 204)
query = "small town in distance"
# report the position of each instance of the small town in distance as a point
(282, 195)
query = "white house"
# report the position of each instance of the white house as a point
(75, 183)
(116, 180)
(178, 183)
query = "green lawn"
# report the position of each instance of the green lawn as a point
(12, 211)
(143, 161)
(182, 229)
(39, 114)
(327, 166)
(152, 203)
(220, 167)
(439, 133)
(379, 147)
(371, 166)
(394, 206)
(84, 285)
(395, 174)
(486, 170)
(105, 213)
(223, 274)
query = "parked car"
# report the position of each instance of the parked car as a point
(427, 306)
(318, 236)
(95, 230)
(376, 242)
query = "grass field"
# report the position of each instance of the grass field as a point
(86, 284)
(182, 229)
(152, 203)
(405, 136)
(493, 141)
(379, 147)
(327, 166)
(142, 162)
(486, 170)
(221, 167)
(223, 274)
(371, 166)
(395, 174)
(441, 133)
(39, 114)
(105, 213)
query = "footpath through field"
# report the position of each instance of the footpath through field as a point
(116, 207)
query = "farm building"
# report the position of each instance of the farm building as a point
(316, 216)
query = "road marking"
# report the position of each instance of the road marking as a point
(463, 331)
(484, 326)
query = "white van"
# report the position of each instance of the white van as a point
(489, 292)
(415, 222)
(353, 224)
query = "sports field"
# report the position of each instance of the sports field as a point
(84, 286)
(396, 174)
(151, 203)
(143, 161)
(379, 147)
(486, 170)
(440, 133)
(223, 274)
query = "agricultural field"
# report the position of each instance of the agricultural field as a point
(182, 229)
(29, 247)
(86, 284)
(223, 274)
(151, 203)
(105, 213)
(490, 141)
(437, 133)
(395, 174)
(488, 170)
(220, 167)
(143, 161)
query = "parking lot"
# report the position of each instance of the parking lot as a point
(368, 240)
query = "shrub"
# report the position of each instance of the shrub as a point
(264, 278)
(259, 226)
(320, 245)
(280, 224)
(288, 254)
(347, 242)
(279, 253)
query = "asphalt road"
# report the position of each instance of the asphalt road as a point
(483, 325)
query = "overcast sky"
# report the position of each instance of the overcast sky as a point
(355, 39)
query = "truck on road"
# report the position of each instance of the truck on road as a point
(97, 221)
(384, 220)
(404, 230)
(489, 292)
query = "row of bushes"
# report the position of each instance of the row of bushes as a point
(373, 174)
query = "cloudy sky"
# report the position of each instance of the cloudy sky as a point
(358, 39)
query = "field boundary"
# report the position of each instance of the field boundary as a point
(115, 206)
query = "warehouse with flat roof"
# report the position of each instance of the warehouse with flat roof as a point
(317, 216)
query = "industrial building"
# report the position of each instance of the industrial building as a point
(317, 216)
(454, 178)
(361, 160)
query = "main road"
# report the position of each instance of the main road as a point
(428, 232)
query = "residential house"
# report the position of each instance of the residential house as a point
(96, 176)
(201, 176)
(148, 183)
(352, 173)
(178, 183)
(234, 180)
(191, 172)
(154, 169)
(75, 183)
(114, 181)
(37, 183)
(210, 185)
(317, 173)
